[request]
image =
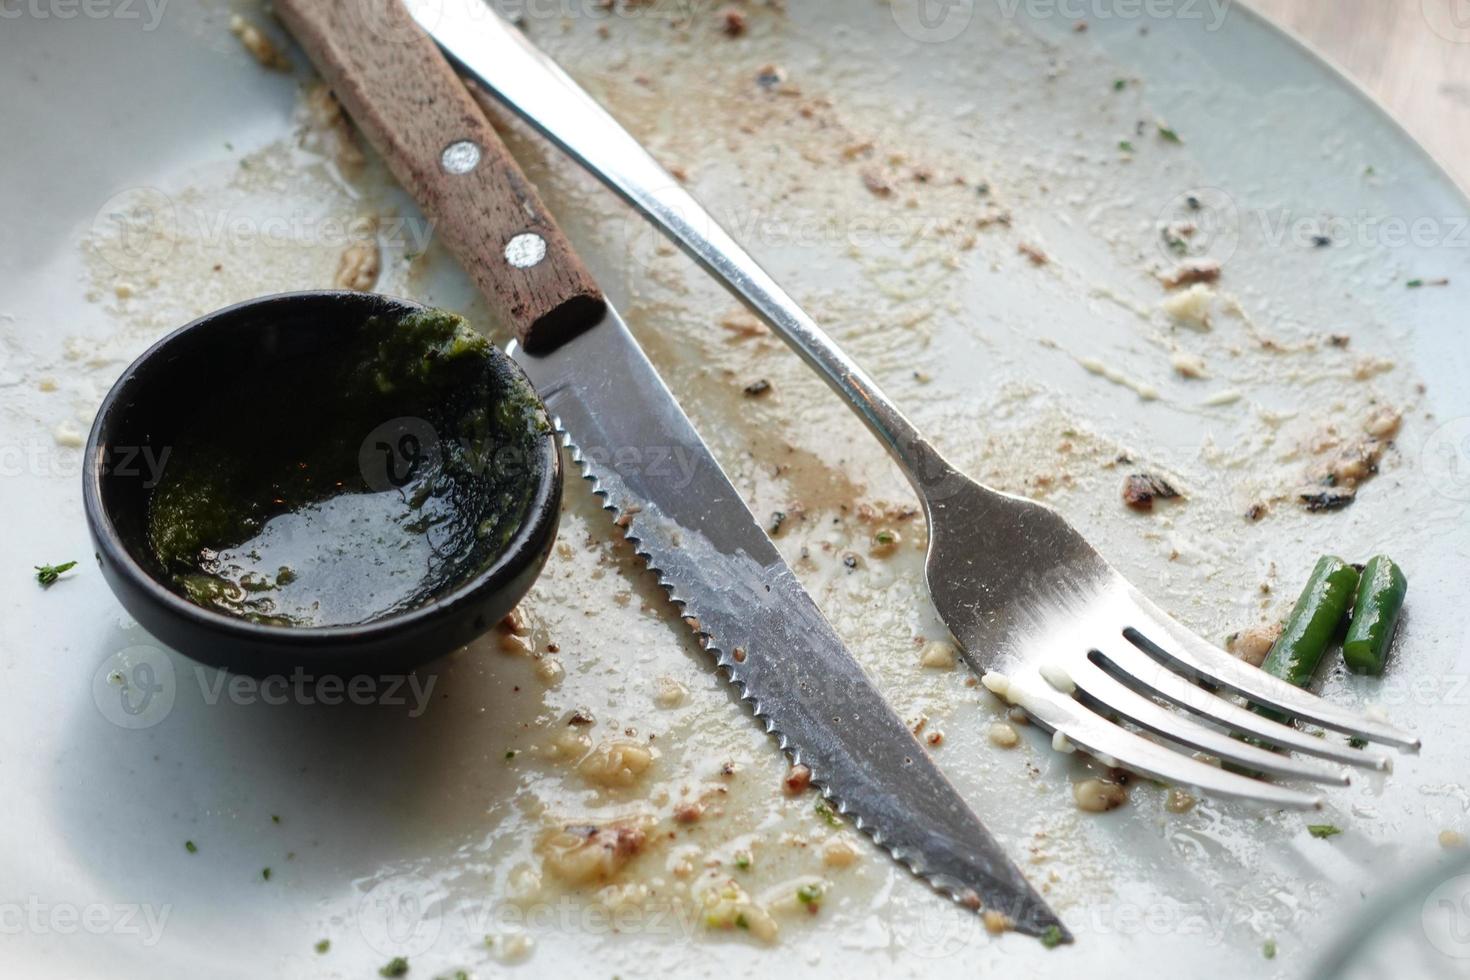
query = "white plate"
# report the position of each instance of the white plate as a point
(403, 831)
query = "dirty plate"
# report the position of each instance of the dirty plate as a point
(978, 205)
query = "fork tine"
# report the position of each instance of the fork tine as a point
(1134, 668)
(1194, 655)
(1100, 687)
(1113, 744)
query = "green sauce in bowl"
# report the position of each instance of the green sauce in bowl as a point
(350, 482)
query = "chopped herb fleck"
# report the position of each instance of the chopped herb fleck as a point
(809, 894)
(265, 874)
(191, 847)
(741, 922)
(1126, 146)
(1412, 284)
(46, 574)
(1268, 949)
(742, 860)
(825, 811)
(1168, 133)
(322, 945)
(1322, 831)
(1358, 742)
(510, 753)
(396, 967)
(1120, 84)
(1052, 937)
(275, 818)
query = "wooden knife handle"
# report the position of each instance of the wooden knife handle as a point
(394, 82)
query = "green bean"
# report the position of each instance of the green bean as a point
(1381, 590)
(1310, 627)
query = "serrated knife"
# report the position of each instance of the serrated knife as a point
(647, 462)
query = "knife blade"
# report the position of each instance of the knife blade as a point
(645, 460)
(625, 428)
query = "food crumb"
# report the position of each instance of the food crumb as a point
(798, 779)
(1190, 272)
(1178, 801)
(938, 655)
(1003, 735)
(1140, 490)
(1191, 306)
(732, 22)
(669, 693)
(47, 575)
(1253, 643)
(839, 854)
(877, 183)
(1384, 424)
(757, 388)
(1451, 839)
(1098, 796)
(1033, 253)
(885, 542)
(261, 48)
(996, 922)
(359, 266)
(1188, 365)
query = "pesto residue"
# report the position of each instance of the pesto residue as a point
(350, 482)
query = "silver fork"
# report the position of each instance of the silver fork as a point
(1049, 624)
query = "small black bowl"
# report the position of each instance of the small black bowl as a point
(169, 388)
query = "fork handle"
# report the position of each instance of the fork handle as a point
(417, 114)
(500, 58)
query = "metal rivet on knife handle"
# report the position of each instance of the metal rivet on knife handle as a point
(440, 146)
(525, 250)
(460, 157)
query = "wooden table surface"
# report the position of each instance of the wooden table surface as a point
(1412, 55)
